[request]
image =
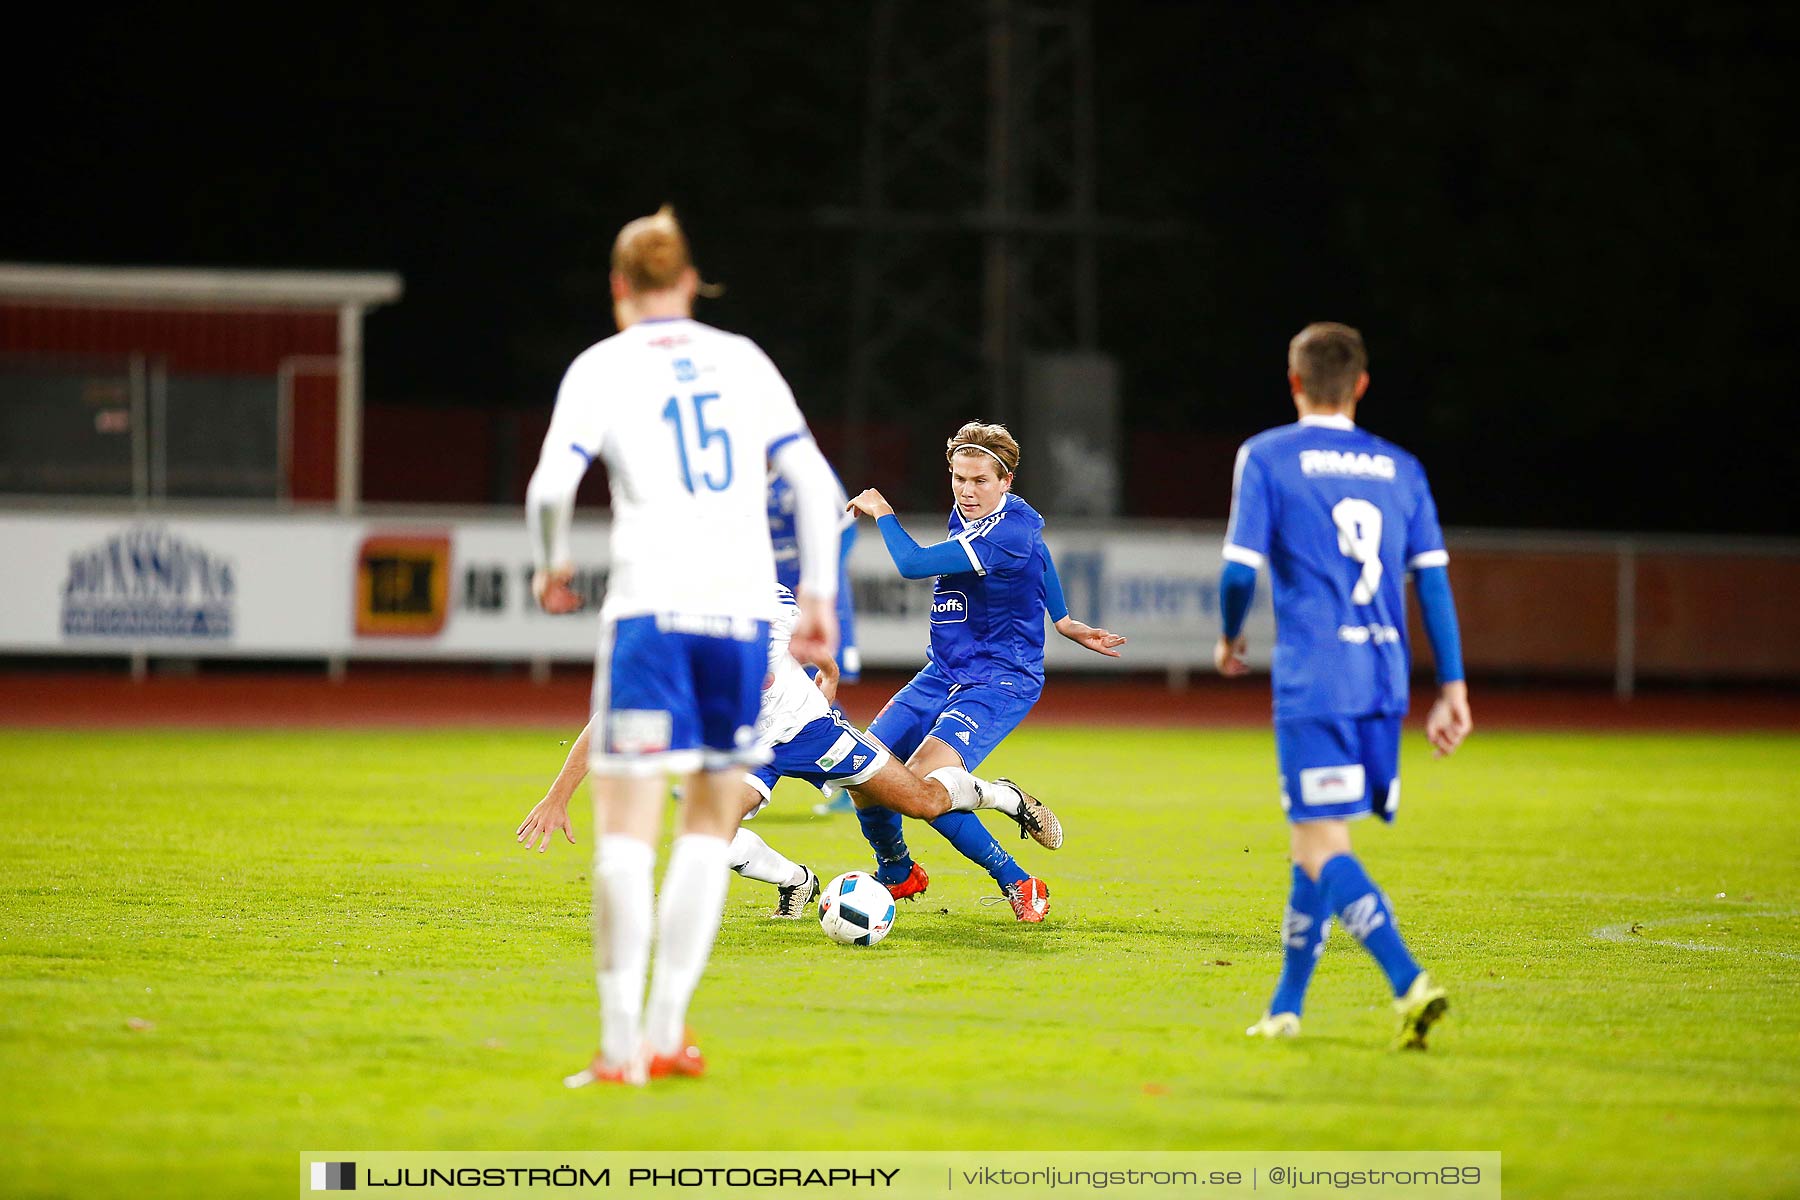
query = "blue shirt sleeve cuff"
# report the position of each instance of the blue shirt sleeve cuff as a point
(921, 562)
(1437, 611)
(1237, 588)
(1054, 602)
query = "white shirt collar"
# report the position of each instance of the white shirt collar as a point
(1329, 420)
(1004, 497)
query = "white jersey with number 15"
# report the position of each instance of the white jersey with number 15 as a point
(685, 417)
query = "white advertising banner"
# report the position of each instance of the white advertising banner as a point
(111, 584)
(304, 585)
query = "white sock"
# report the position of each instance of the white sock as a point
(752, 858)
(624, 895)
(968, 793)
(965, 794)
(1003, 797)
(687, 921)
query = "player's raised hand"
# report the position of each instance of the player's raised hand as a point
(871, 502)
(816, 632)
(1449, 720)
(1228, 656)
(541, 823)
(1100, 641)
(827, 678)
(550, 587)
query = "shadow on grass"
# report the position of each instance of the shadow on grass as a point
(968, 931)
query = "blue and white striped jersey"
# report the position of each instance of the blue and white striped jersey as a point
(784, 535)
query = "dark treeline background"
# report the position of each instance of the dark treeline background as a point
(1567, 231)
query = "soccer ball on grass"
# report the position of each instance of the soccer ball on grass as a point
(855, 909)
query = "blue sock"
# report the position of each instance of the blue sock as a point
(881, 826)
(1367, 917)
(965, 831)
(1303, 929)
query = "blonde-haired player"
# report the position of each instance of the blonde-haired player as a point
(689, 420)
(995, 582)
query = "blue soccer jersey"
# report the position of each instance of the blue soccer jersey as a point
(988, 622)
(784, 537)
(1339, 516)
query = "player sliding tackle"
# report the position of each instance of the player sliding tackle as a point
(995, 582)
(1340, 516)
(811, 742)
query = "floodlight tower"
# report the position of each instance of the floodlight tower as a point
(976, 228)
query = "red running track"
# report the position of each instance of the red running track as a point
(385, 697)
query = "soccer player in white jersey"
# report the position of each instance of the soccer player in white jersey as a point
(810, 741)
(1340, 517)
(689, 420)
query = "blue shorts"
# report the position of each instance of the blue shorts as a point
(826, 750)
(970, 718)
(678, 694)
(1339, 767)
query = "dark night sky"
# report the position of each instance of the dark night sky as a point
(1567, 231)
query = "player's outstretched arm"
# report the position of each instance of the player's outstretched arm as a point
(552, 812)
(871, 503)
(1100, 641)
(912, 560)
(1057, 606)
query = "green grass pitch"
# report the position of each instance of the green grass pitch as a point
(334, 942)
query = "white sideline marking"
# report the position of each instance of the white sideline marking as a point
(1623, 933)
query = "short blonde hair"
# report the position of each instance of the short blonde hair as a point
(984, 439)
(652, 252)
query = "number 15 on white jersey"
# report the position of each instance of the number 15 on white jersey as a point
(685, 417)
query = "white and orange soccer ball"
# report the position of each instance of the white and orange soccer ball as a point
(855, 909)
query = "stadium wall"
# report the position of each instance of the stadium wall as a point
(452, 585)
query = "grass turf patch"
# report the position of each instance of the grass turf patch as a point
(220, 949)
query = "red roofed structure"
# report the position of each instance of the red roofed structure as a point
(164, 383)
